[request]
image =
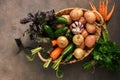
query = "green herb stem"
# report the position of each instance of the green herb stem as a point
(105, 33)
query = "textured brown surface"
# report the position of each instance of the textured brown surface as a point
(14, 66)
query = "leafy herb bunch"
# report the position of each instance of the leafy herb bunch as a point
(37, 21)
(106, 53)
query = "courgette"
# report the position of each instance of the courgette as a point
(48, 31)
(61, 20)
(69, 36)
(61, 31)
(69, 57)
(69, 49)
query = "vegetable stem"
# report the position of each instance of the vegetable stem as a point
(46, 64)
(57, 63)
(34, 51)
(105, 33)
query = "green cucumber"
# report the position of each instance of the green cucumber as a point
(69, 36)
(69, 57)
(48, 31)
(61, 20)
(69, 49)
(61, 31)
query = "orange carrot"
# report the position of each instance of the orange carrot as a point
(103, 9)
(94, 8)
(106, 8)
(110, 13)
(56, 53)
(100, 7)
(54, 43)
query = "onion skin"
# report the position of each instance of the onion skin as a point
(76, 14)
(78, 53)
(78, 39)
(90, 16)
(62, 41)
(90, 41)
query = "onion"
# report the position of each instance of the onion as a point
(78, 39)
(78, 53)
(62, 41)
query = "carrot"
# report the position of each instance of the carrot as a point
(100, 7)
(110, 13)
(54, 43)
(56, 53)
(103, 9)
(94, 8)
(106, 8)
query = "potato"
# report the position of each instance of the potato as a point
(62, 41)
(68, 18)
(84, 33)
(60, 25)
(78, 53)
(91, 28)
(82, 46)
(78, 39)
(82, 20)
(76, 14)
(90, 41)
(90, 16)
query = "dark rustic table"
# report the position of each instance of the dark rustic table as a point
(14, 66)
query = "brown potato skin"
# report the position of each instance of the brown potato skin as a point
(76, 14)
(90, 41)
(90, 16)
(91, 28)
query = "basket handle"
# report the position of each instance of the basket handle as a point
(102, 20)
(41, 58)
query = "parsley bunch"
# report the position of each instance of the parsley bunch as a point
(106, 54)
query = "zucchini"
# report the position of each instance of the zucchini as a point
(69, 49)
(61, 20)
(61, 31)
(48, 31)
(69, 57)
(69, 36)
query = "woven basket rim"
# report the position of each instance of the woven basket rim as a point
(98, 34)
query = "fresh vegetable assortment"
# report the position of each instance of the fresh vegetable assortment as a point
(72, 35)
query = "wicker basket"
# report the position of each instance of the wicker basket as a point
(66, 11)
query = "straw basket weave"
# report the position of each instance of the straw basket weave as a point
(66, 11)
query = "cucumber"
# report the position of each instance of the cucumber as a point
(61, 20)
(61, 31)
(69, 49)
(69, 36)
(48, 31)
(69, 57)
